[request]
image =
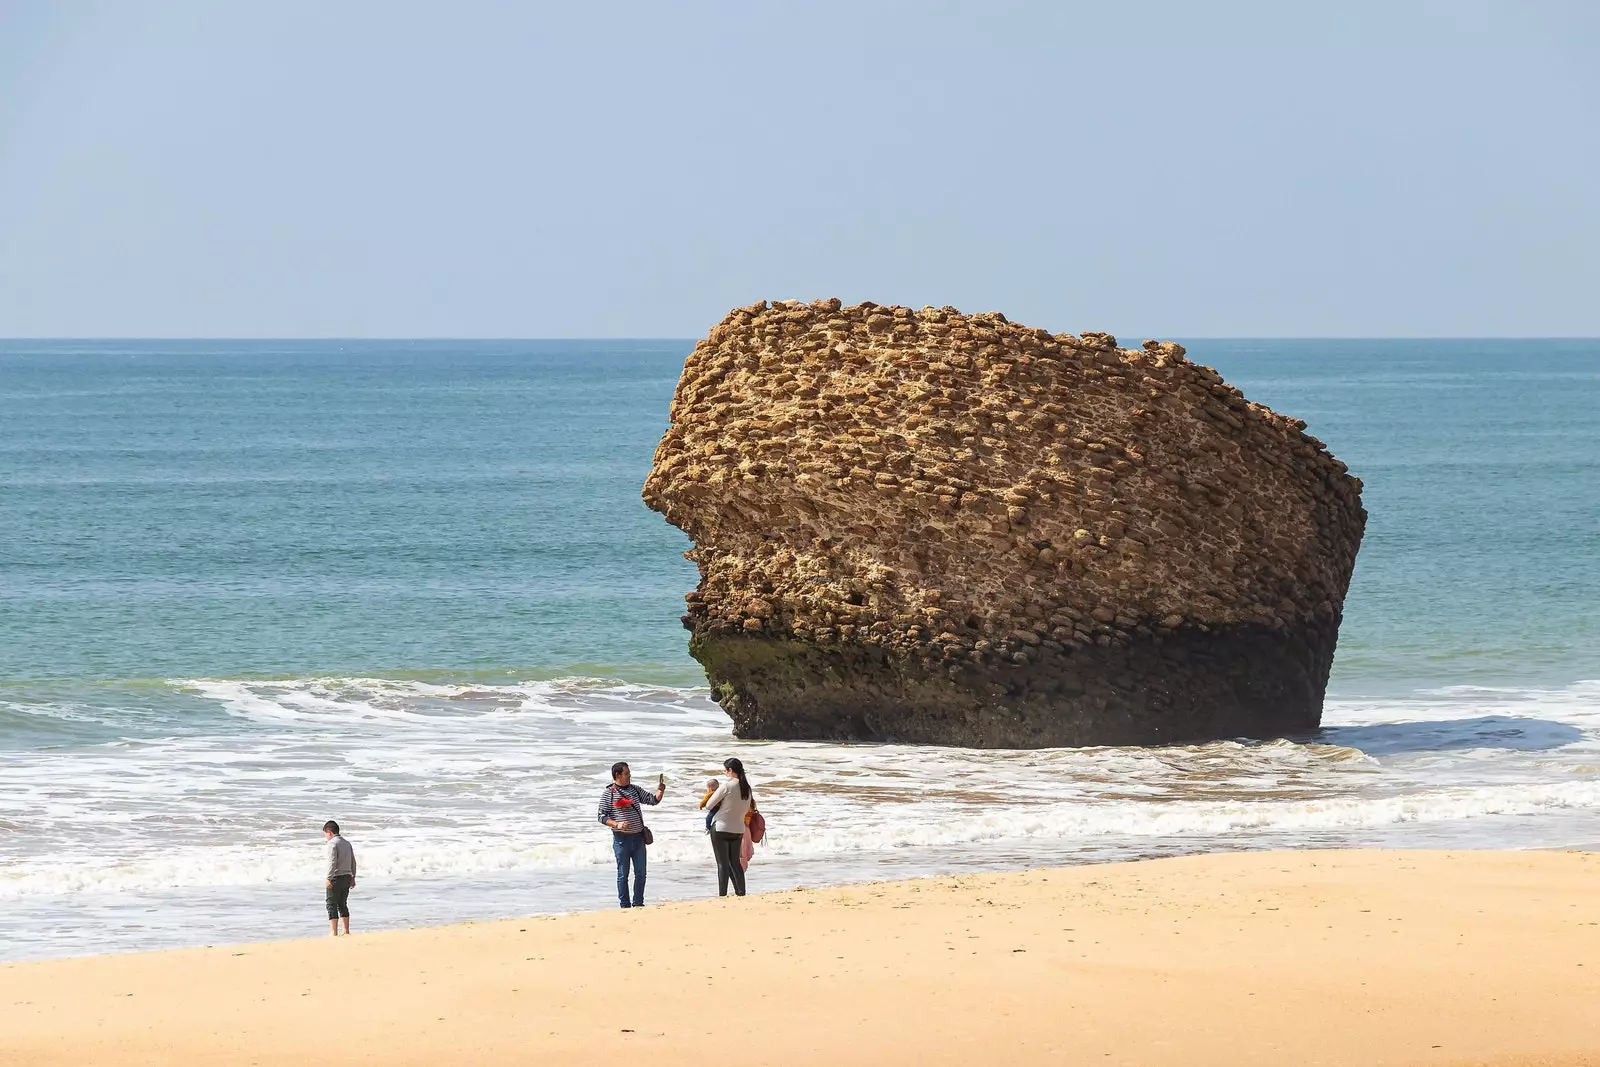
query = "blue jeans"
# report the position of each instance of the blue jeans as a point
(628, 847)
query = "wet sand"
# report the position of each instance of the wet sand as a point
(1285, 958)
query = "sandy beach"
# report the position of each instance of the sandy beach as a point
(1351, 957)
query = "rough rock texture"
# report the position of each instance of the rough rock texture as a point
(933, 527)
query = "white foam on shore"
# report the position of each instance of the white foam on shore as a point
(460, 779)
(385, 859)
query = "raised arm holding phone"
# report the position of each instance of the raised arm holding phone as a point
(620, 810)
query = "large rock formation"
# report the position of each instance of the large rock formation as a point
(934, 527)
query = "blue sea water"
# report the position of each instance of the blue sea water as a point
(247, 508)
(245, 585)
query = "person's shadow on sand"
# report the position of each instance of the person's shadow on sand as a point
(1452, 735)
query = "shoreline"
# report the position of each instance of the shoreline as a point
(493, 769)
(601, 901)
(1332, 957)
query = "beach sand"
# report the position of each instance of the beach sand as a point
(1285, 958)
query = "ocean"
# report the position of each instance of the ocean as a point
(247, 586)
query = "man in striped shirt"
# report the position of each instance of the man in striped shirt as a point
(619, 809)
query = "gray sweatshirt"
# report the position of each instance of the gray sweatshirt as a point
(341, 858)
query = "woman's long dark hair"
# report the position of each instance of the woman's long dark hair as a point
(733, 764)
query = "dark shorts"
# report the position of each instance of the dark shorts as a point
(339, 896)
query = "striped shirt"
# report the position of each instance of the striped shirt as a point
(621, 803)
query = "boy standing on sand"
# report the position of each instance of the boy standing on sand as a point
(619, 809)
(341, 877)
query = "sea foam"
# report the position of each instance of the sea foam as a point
(436, 779)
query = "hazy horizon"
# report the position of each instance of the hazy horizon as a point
(397, 170)
(1122, 339)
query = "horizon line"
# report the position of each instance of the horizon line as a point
(663, 337)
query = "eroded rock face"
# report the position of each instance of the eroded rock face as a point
(933, 527)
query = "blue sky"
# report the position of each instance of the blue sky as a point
(347, 169)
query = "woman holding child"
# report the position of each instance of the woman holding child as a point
(731, 802)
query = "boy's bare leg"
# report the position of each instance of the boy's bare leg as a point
(333, 927)
(347, 926)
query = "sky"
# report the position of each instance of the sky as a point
(622, 169)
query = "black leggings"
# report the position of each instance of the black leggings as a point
(726, 849)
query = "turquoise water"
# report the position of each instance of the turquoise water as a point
(471, 509)
(1481, 464)
(244, 585)
(203, 508)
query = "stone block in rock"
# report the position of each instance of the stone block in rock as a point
(1161, 509)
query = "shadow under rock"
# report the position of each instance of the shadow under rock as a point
(1452, 735)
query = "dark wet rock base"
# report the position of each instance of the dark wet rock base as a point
(1164, 688)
